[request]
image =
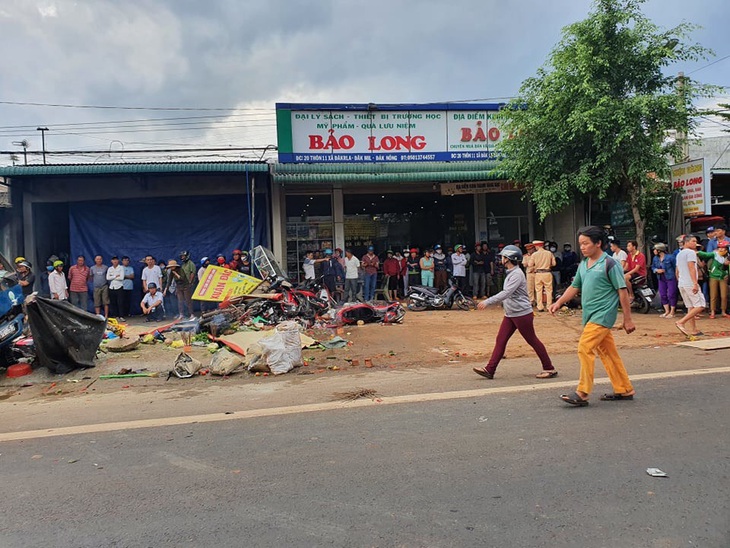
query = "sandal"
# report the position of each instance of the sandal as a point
(550, 374)
(483, 372)
(682, 329)
(617, 397)
(575, 399)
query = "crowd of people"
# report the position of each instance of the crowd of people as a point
(166, 286)
(478, 271)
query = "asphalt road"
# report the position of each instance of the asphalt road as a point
(504, 470)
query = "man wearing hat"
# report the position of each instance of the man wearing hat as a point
(498, 268)
(716, 235)
(543, 261)
(332, 272)
(187, 280)
(440, 275)
(530, 271)
(458, 263)
(25, 276)
(151, 304)
(680, 245)
(57, 282)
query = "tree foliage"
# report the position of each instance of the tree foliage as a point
(594, 119)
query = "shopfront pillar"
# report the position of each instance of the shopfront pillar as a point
(278, 224)
(338, 210)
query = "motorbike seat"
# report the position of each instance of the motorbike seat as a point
(425, 289)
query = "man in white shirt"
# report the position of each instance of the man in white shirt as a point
(689, 288)
(115, 277)
(352, 274)
(619, 255)
(57, 282)
(151, 274)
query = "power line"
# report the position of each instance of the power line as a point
(257, 116)
(115, 107)
(708, 64)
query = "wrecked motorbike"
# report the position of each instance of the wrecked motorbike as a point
(11, 318)
(352, 313)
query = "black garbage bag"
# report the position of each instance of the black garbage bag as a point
(65, 337)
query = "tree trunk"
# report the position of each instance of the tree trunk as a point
(639, 222)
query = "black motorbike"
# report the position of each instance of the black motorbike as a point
(423, 298)
(643, 294)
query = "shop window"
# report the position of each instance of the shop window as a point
(308, 228)
(404, 220)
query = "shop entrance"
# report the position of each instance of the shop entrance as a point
(404, 220)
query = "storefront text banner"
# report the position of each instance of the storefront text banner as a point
(476, 187)
(219, 284)
(390, 136)
(690, 178)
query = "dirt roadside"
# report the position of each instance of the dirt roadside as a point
(425, 342)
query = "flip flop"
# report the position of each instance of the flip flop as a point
(682, 329)
(550, 374)
(617, 397)
(698, 334)
(575, 399)
(483, 372)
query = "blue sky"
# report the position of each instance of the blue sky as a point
(243, 56)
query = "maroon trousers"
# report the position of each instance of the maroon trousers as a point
(523, 324)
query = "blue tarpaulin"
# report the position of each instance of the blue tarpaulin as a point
(162, 227)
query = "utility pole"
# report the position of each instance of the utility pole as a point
(43, 141)
(24, 144)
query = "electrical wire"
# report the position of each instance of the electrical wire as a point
(116, 107)
(709, 64)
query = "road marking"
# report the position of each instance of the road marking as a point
(329, 406)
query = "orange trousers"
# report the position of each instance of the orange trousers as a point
(597, 339)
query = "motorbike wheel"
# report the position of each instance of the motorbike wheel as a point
(416, 306)
(643, 305)
(465, 303)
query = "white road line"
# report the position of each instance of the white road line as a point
(329, 406)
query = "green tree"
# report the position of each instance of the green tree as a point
(594, 119)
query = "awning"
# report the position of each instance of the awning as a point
(133, 168)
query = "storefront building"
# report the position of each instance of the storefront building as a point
(390, 176)
(135, 209)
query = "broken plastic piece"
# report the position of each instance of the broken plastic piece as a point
(656, 473)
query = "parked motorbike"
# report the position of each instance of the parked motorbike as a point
(423, 298)
(643, 294)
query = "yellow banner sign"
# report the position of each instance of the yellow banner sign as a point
(219, 284)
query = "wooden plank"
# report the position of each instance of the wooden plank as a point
(708, 344)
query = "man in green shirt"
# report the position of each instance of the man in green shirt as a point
(600, 281)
